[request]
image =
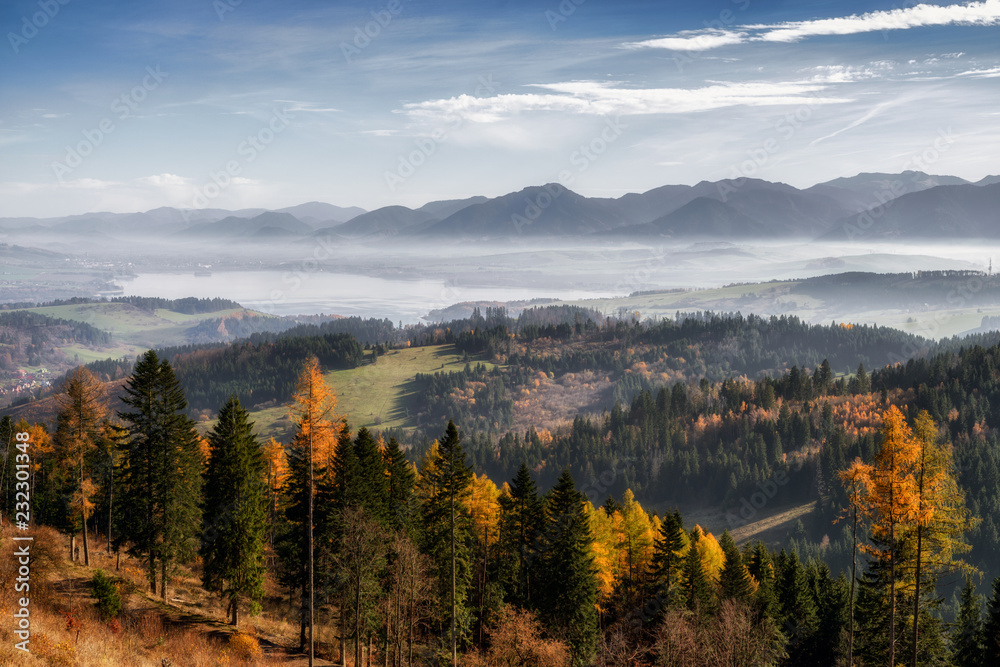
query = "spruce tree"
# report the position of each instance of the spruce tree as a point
(991, 627)
(697, 586)
(796, 604)
(372, 477)
(446, 480)
(668, 561)
(734, 580)
(760, 565)
(401, 479)
(570, 596)
(161, 471)
(522, 519)
(235, 512)
(967, 636)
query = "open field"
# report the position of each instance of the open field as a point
(373, 395)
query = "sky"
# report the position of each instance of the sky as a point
(129, 106)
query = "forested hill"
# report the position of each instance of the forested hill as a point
(717, 445)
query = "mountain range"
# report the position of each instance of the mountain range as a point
(874, 206)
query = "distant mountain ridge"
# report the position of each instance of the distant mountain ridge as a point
(873, 205)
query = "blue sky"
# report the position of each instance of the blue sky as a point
(124, 106)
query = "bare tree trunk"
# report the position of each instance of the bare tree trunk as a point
(163, 578)
(854, 576)
(72, 548)
(311, 595)
(83, 516)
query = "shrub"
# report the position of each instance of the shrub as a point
(244, 647)
(108, 601)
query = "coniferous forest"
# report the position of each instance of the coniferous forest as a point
(469, 540)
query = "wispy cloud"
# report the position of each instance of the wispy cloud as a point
(985, 13)
(871, 113)
(601, 98)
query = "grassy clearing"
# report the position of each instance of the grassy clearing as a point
(380, 395)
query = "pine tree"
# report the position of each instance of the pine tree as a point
(235, 511)
(991, 628)
(570, 596)
(401, 479)
(697, 585)
(372, 477)
(967, 637)
(761, 567)
(445, 481)
(521, 521)
(82, 409)
(161, 470)
(796, 606)
(734, 580)
(668, 558)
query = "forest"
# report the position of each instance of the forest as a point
(541, 547)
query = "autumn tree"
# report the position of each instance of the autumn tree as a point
(235, 511)
(316, 433)
(857, 479)
(516, 641)
(161, 470)
(940, 521)
(82, 409)
(895, 502)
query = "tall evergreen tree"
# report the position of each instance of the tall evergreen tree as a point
(761, 567)
(235, 511)
(401, 478)
(734, 580)
(446, 484)
(668, 559)
(161, 470)
(522, 519)
(967, 635)
(570, 596)
(698, 587)
(796, 605)
(991, 627)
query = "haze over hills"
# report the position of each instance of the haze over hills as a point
(876, 205)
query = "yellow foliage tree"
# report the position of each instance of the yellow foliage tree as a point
(635, 541)
(604, 549)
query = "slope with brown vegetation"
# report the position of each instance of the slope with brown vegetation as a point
(67, 630)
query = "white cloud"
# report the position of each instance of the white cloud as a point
(985, 13)
(692, 41)
(601, 98)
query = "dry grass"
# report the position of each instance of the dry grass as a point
(66, 629)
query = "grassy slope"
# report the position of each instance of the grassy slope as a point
(373, 395)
